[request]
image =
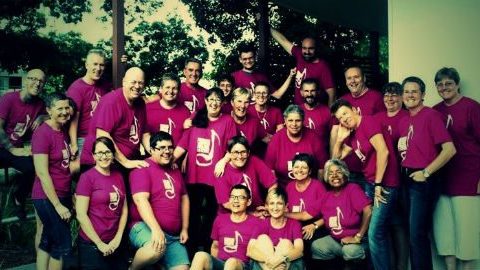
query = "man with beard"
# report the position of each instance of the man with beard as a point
(309, 65)
(317, 116)
(86, 93)
(19, 116)
(191, 93)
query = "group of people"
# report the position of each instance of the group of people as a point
(221, 179)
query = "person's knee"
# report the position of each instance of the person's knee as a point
(233, 264)
(353, 252)
(321, 251)
(150, 254)
(284, 245)
(201, 258)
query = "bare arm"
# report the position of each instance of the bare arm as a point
(447, 152)
(297, 250)
(81, 207)
(282, 40)
(378, 143)
(72, 132)
(214, 249)
(146, 142)
(40, 162)
(115, 242)
(185, 204)
(177, 153)
(331, 95)
(340, 150)
(281, 91)
(5, 142)
(145, 210)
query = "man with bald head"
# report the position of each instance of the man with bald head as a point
(20, 113)
(309, 65)
(120, 116)
(86, 93)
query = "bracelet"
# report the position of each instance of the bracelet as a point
(315, 225)
(377, 185)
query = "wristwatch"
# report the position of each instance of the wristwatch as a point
(315, 225)
(426, 173)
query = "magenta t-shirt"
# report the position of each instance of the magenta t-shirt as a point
(308, 200)
(462, 172)
(281, 151)
(125, 123)
(305, 70)
(86, 97)
(55, 144)
(421, 137)
(343, 212)
(254, 175)
(233, 237)
(318, 119)
(192, 98)
(248, 80)
(227, 107)
(205, 147)
(269, 119)
(359, 141)
(107, 195)
(166, 188)
(19, 117)
(390, 124)
(167, 120)
(251, 129)
(291, 231)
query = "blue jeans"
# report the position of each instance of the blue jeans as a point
(378, 235)
(422, 199)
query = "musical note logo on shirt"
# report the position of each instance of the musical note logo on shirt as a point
(168, 186)
(264, 123)
(134, 136)
(300, 207)
(114, 198)
(335, 222)
(206, 149)
(310, 123)
(192, 105)
(66, 155)
(403, 142)
(230, 244)
(449, 121)
(358, 152)
(247, 181)
(21, 128)
(299, 77)
(168, 127)
(94, 103)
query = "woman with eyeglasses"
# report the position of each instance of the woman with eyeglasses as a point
(51, 189)
(247, 170)
(346, 213)
(101, 211)
(289, 141)
(204, 144)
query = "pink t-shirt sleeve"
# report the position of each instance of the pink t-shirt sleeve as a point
(216, 224)
(105, 115)
(139, 181)
(222, 189)
(359, 199)
(296, 230)
(266, 175)
(84, 186)
(184, 140)
(41, 146)
(439, 131)
(5, 106)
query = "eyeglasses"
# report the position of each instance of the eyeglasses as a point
(214, 100)
(106, 154)
(239, 153)
(389, 95)
(33, 79)
(260, 94)
(164, 148)
(447, 84)
(239, 197)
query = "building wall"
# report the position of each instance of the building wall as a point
(425, 35)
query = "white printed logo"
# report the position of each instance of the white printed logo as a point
(264, 123)
(134, 137)
(310, 124)
(389, 129)
(192, 105)
(359, 153)
(20, 129)
(449, 121)
(299, 77)
(206, 149)
(114, 198)
(94, 103)
(168, 127)
(230, 244)
(247, 181)
(168, 186)
(359, 111)
(290, 168)
(299, 208)
(335, 222)
(403, 142)
(65, 155)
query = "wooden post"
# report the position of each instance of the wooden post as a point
(118, 42)
(263, 35)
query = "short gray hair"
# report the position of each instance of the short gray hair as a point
(292, 108)
(340, 164)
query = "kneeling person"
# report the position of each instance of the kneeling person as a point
(231, 234)
(159, 214)
(279, 244)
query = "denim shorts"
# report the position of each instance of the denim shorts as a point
(175, 253)
(56, 238)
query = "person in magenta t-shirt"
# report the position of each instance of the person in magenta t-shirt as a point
(166, 114)
(270, 117)
(317, 116)
(102, 211)
(51, 189)
(457, 208)
(204, 144)
(160, 208)
(289, 141)
(246, 170)
(247, 126)
(362, 136)
(231, 234)
(425, 147)
(21, 112)
(192, 95)
(308, 65)
(346, 212)
(120, 116)
(86, 93)
(226, 83)
(279, 239)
